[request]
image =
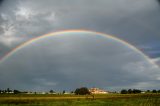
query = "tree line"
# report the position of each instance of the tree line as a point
(83, 91)
(8, 90)
(135, 91)
(78, 91)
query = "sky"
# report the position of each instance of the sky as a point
(134, 21)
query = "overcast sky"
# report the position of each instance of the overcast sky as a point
(134, 21)
(72, 60)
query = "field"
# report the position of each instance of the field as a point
(73, 100)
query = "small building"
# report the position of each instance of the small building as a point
(97, 91)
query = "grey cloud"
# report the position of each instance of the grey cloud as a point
(156, 60)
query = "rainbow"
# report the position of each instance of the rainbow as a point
(74, 31)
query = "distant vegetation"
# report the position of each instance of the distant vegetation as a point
(136, 91)
(78, 91)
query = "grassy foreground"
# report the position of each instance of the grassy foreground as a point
(73, 100)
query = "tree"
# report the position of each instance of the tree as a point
(16, 91)
(51, 91)
(124, 91)
(136, 91)
(72, 92)
(82, 91)
(154, 91)
(130, 91)
(148, 91)
(64, 92)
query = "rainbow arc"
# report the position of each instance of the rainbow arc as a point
(75, 31)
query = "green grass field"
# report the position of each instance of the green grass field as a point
(73, 100)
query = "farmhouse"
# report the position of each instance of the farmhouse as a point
(97, 91)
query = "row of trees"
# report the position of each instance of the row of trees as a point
(130, 91)
(10, 91)
(53, 92)
(85, 91)
(153, 91)
(78, 91)
(135, 91)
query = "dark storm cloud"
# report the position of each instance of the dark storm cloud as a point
(75, 60)
(158, 1)
(1, 1)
